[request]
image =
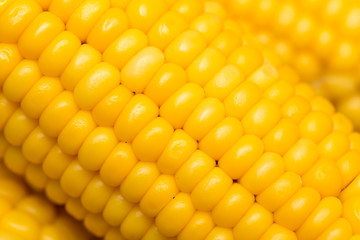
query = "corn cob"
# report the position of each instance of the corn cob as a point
(170, 126)
(317, 38)
(29, 216)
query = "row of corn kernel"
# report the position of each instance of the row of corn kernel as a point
(15, 160)
(30, 216)
(280, 211)
(318, 49)
(340, 87)
(306, 29)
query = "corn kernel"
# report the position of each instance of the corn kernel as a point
(193, 171)
(118, 164)
(15, 19)
(175, 215)
(253, 224)
(138, 181)
(198, 227)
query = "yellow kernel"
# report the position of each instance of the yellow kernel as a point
(279, 92)
(58, 113)
(123, 48)
(36, 146)
(264, 77)
(220, 233)
(107, 110)
(198, 227)
(296, 108)
(237, 200)
(43, 29)
(166, 29)
(241, 156)
(74, 133)
(276, 231)
(15, 161)
(15, 18)
(274, 196)
(296, 210)
(253, 224)
(159, 194)
(152, 139)
(56, 162)
(265, 171)
(38, 208)
(116, 209)
(63, 8)
(205, 116)
(282, 136)
(75, 179)
(323, 105)
(58, 53)
(95, 224)
(261, 118)
(135, 224)
(96, 83)
(204, 67)
(175, 215)
(349, 166)
(334, 145)
(208, 192)
(96, 195)
(139, 70)
(18, 127)
(340, 229)
(35, 177)
(165, 82)
(188, 9)
(315, 126)
(177, 151)
(40, 95)
(247, 58)
(55, 193)
(350, 209)
(328, 210)
(221, 138)
(177, 108)
(21, 80)
(240, 101)
(110, 25)
(226, 42)
(139, 111)
(153, 233)
(325, 177)
(96, 148)
(75, 209)
(304, 90)
(84, 59)
(193, 171)
(351, 190)
(118, 164)
(209, 25)
(188, 45)
(138, 181)
(7, 108)
(223, 82)
(9, 58)
(21, 224)
(143, 14)
(85, 16)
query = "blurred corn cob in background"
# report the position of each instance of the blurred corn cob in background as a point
(319, 38)
(160, 120)
(29, 216)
